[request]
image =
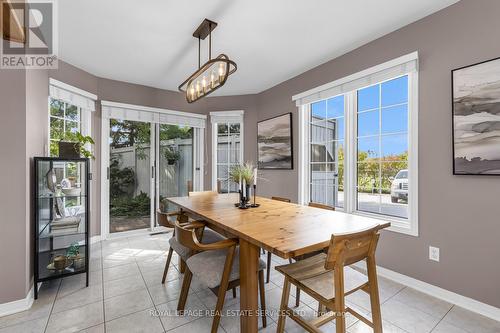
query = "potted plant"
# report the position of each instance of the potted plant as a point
(74, 147)
(243, 174)
(172, 155)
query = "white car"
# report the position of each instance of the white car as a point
(399, 186)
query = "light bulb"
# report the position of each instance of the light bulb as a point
(204, 83)
(192, 91)
(197, 87)
(221, 71)
(212, 79)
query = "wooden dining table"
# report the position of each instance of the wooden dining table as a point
(285, 229)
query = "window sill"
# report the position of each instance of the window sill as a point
(399, 225)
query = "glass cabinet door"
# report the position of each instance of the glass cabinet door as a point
(61, 230)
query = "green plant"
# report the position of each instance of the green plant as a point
(242, 172)
(83, 140)
(172, 155)
(131, 207)
(121, 180)
(73, 250)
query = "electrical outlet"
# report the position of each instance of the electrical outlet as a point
(434, 253)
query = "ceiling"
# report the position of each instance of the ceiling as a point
(150, 42)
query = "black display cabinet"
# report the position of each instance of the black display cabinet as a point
(61, 218)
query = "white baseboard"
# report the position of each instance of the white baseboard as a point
(443, 294)
(17, 306)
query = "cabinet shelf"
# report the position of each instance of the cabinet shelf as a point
(52, 196)
(50, 207)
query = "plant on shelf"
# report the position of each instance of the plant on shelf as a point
(75, 145)
(83, 140)
(172, 155)
(73, 251)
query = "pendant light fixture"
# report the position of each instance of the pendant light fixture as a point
(211, 75)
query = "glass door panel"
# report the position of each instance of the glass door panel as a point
(175, 163)
(129, 175)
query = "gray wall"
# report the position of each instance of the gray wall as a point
(458, 214)
(14, 183)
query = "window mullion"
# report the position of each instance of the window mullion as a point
(380, 148)
(350, 165)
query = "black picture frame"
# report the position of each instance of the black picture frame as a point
(454, 167)
(259, 164)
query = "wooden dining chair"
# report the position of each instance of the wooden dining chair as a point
(268, 264)
(199, 193)
(165, 220)
(281, 199)
(318, 205)
(328, 278)
(215, 265)
(305, 256)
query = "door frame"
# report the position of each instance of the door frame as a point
(198, 176)
(105, 154)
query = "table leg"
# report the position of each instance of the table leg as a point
(249, 265)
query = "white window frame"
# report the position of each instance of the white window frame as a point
(225, 117)
(406, 226)
(83, 100)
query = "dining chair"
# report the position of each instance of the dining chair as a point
(268, 265)
(165, 220)
(307, 255)
(281, 199)
(318, 205)
(215, 265)
(328, 278)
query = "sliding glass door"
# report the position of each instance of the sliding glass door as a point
(129, 173)
(147, 155)
(175, 163)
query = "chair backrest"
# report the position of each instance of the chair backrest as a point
(318, 205)
(348, 249)
(198, 193)
(281, 199)
(163, 219)
(190, 186)
(186, 234)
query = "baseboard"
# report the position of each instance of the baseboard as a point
(443, 294)
(17, 306)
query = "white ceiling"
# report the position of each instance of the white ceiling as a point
(150, 42)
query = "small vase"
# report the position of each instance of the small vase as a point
(247, 198)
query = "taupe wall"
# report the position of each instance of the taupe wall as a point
(458, 214)
(14, 182)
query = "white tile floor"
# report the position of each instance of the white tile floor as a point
(126, 295)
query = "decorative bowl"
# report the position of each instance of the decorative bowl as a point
(71, 191)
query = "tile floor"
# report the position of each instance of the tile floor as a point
(126, 295)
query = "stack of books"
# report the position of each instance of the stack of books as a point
(65, 225)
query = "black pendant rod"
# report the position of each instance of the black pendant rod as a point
(199, 52)
(210, 42)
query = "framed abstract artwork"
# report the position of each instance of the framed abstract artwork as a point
(476, 119)
(274, 143)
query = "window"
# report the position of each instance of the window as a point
(70, 111)
(327, 152)
(227, 151)
(64, 121)
(382, 148)
(358, 144)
